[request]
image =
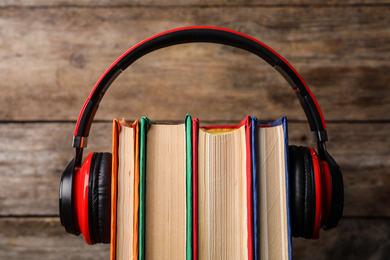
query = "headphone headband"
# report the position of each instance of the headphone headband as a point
(301, 166)
(200, 34)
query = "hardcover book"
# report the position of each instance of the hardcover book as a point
(185, 191)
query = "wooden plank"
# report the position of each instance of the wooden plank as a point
(362, 153)
(352, 239)
(170, 3)
(51, 58)
(32, 159)
(34, 155)
(45, 238)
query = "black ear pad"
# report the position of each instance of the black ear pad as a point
(337, 199)
(66, 199)
(99, 198)
(302, 192)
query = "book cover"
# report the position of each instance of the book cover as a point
(271, 230)
(124, 191)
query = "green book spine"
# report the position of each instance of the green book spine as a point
(188, 127)
(144, 125)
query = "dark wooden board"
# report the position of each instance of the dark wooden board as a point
(34, 155)
(52, 57)
(171, 3)
(352, 239)
(44, 238)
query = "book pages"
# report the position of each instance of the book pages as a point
(165, 217)
(222, 205)
(272, 195)
(125, 197)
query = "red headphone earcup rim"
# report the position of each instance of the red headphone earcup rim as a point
(310, 194)
(317, 175)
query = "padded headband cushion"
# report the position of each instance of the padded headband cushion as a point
(302, 187)
(99, 198)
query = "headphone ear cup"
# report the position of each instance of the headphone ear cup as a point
(66, 201)
(334, 192)
(303, 192)
(99, 198)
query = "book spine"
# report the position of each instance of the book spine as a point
(136, 190)
(195, 129)
(189, 194)
(255, 188)
(249, 185)
(142, 189)
(115, 136)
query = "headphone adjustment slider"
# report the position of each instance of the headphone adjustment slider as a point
(80, 141)
(320, 136)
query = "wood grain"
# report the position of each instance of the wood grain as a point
(51, 58)
(170, 3)
(352, 239)
(53, 52)
(33, 157)
(44, 238)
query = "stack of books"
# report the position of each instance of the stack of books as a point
(187, 191)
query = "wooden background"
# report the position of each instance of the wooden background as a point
(52, 53)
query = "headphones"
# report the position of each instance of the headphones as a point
(315, 179)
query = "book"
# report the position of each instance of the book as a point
(223, 180)
(205, 192)
(272, 233)
(125, 190)
(165, 189)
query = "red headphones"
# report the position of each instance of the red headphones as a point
(315, 180)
